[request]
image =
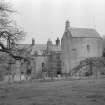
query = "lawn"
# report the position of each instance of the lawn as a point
(75, 92)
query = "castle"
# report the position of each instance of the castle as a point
(76, 44)
(48, 54)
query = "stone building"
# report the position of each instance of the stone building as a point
(49, 54)
(54, 57)
(78, 44)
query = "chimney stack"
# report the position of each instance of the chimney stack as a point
(57, 42)
(33, 41)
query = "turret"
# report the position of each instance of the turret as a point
(49, 42)
(67, 26)
(49, 45)
(67, 31)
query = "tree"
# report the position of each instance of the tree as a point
(9, 31)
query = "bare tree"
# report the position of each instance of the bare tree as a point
(8, 31)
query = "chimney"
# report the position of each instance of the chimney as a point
(57, 42)
(33, 41)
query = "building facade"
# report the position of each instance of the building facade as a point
(54, 57)
(78, 44)
(48, 54)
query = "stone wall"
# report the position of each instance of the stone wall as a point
(37, 67)
(77, 49)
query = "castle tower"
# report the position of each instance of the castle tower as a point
(66, 46)
(49, 45)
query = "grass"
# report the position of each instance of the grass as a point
(73, 92)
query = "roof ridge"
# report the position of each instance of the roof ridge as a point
(83, 28)
(84, 32)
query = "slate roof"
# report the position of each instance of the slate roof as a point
(84, 32)
(39, 48)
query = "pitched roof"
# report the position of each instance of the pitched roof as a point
(38, 48)
(21, 46)
(84, 32)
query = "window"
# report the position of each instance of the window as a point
(88, 47)
(73, 49)
(43, 64)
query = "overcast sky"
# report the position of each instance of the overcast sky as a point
(43, 19)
